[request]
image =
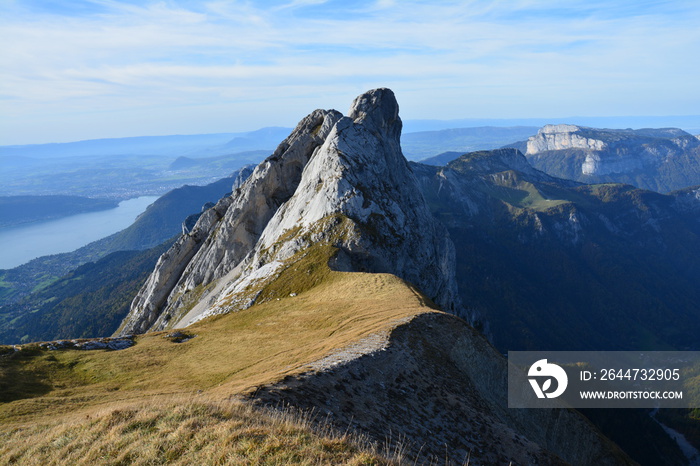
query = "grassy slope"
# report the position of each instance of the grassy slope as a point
(231, 354)
(184, 432)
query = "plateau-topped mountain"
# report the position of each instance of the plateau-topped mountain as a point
(661, 160)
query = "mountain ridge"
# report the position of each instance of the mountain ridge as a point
(257, 354)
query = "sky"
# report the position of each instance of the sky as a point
(86, 69)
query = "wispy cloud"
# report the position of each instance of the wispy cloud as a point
(272, 63)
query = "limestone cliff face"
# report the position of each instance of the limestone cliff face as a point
(331, 170)
(658, 159)
(560, 137)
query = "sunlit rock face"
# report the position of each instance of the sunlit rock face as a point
(560, 137)
(331, 166)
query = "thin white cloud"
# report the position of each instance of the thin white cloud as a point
(473, 58)
(301, 3)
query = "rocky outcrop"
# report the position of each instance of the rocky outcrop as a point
(243, 174)
(230, 229)
(87, 344)
(168, 271)
(329, 170)
(659, 159)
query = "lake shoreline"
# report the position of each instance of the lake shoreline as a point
(26, 242)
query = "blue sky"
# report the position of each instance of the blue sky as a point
(84, 69)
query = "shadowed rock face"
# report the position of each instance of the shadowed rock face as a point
(538, 256)
(330, 165)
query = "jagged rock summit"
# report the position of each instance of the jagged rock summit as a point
(338, 181)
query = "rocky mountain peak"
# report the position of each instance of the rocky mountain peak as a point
(378, 109)
(337, 181)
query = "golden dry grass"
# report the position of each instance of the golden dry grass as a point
(184, 432)
(116, 407)
(230, 354)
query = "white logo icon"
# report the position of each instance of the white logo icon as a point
(544, 369)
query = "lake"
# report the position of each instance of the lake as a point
(23, 243)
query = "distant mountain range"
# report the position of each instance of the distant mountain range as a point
(142, 145)
(125, 168)
(130, 167)
(220, 163)
(122, 168)
(661, 160)
(689, 123)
